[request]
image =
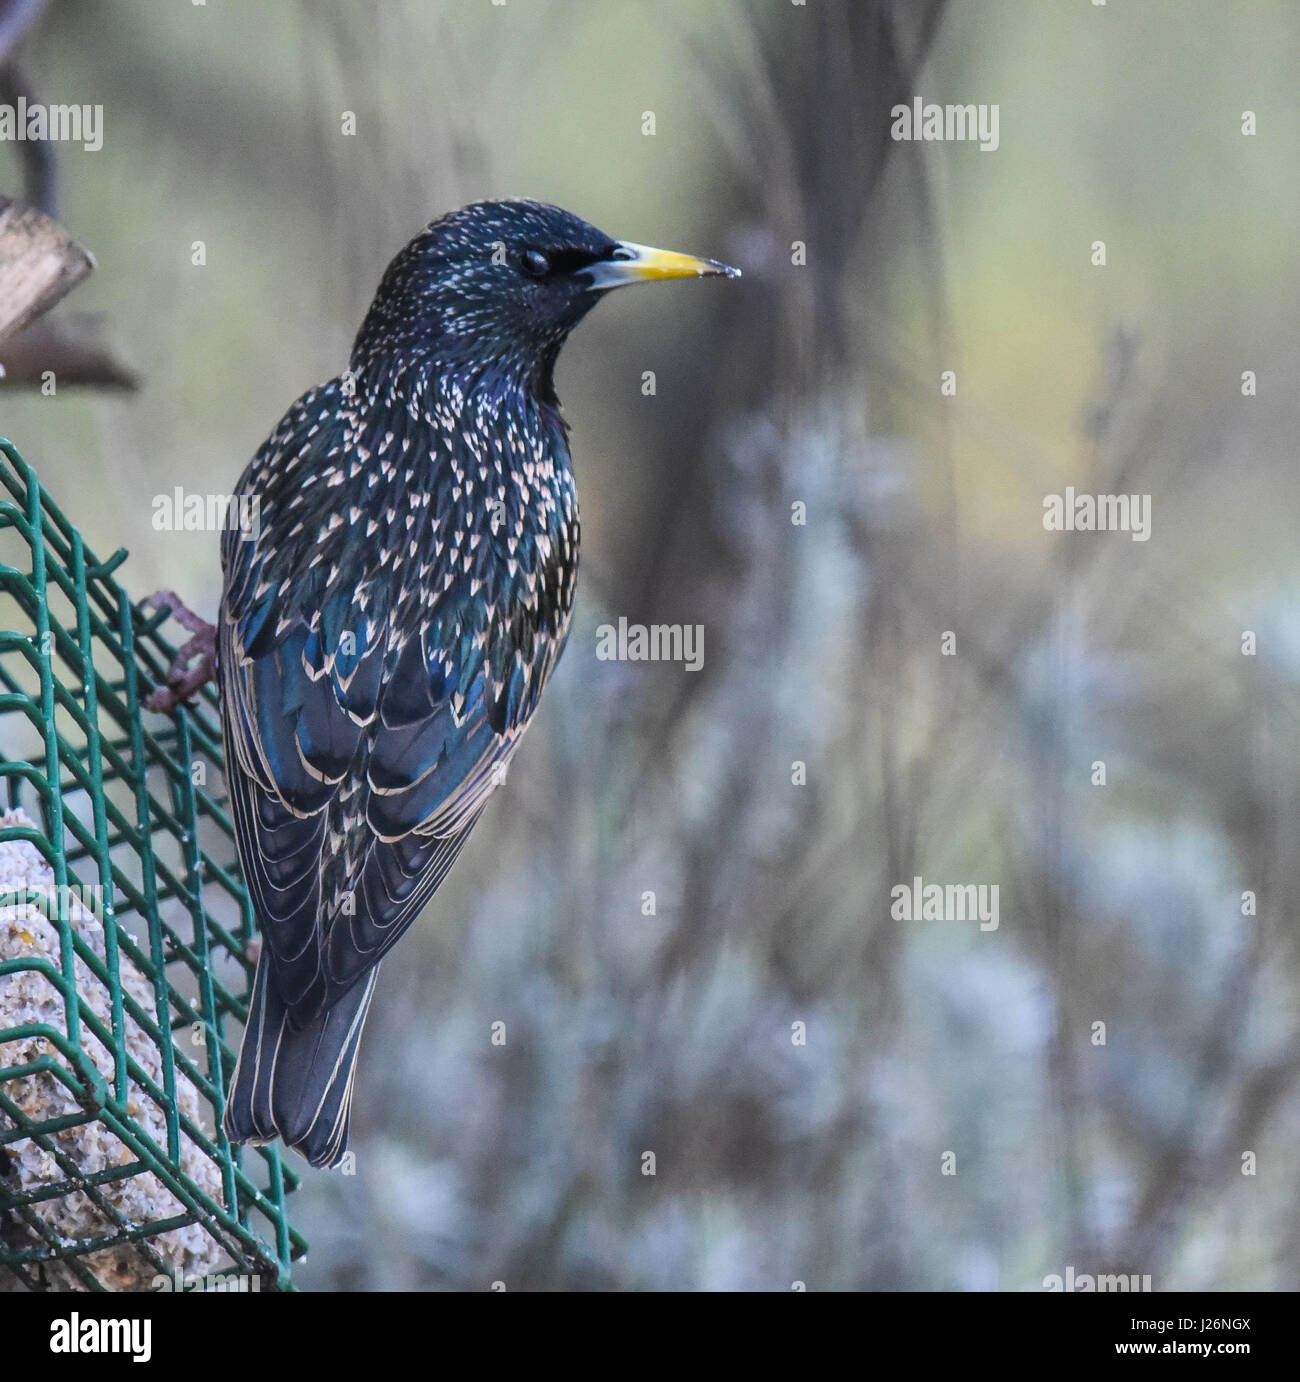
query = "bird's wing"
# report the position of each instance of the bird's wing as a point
(368, 712)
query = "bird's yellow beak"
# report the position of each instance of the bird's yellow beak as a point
(632, 263)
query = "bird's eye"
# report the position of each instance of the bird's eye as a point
(535, 263)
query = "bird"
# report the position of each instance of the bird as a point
(388, 622)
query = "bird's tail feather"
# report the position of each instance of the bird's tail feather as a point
(295, 1083)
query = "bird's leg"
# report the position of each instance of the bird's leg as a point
(194, 664)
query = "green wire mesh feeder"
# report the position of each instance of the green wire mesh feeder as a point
(125, 934)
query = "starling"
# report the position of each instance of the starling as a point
(387, 626)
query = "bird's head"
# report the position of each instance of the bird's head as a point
(496, 287)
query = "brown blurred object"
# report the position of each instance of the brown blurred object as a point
(40, 263)
(74, 345)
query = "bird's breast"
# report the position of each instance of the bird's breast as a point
(424, 539)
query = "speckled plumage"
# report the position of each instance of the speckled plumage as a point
(386, 632)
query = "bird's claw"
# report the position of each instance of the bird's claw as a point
(194, 664)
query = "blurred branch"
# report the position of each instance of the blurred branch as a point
(73, 346)
(40, 263)
(17, 18)
(36, 155)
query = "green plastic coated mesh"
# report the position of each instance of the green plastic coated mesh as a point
(125, 945)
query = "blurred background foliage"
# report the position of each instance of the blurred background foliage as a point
(671, 1033)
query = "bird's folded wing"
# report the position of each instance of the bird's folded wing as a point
(362, 743)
